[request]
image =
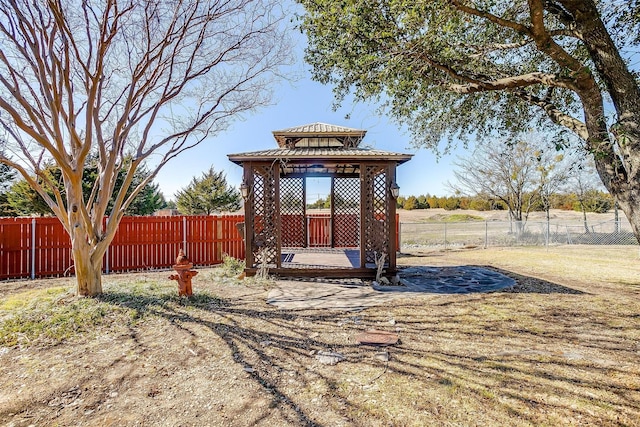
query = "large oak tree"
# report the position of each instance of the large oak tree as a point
(131, 80)
(478, 68)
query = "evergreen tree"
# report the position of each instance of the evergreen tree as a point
(208, 194)
(149, 200)
(7, 176)
(422, 202)
(411, 203)
(22, 199)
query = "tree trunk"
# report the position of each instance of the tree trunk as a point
(619, 169)
(621, 180)
(86, 247)
(629, 201)
(88, 267)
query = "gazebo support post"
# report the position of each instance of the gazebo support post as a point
(332, 214)
(248, 215)
(391, 217)
(363, 211)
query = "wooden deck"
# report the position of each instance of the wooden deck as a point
(322, 262)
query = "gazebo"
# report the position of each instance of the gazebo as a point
(360, 224)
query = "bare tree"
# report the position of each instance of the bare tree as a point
(148, 79)
(506, 172)
(582, 178)
(552, 175)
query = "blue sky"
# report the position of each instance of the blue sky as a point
(302, 103)
(297, 103)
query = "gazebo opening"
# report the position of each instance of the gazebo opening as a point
(346, 238)
(318, 190)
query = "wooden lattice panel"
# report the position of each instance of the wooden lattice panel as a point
(292, 211)
(376, 221)
(346, 212)
(265, 230)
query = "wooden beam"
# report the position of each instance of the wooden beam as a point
(363, 212)
(391, 213)
(249, 213)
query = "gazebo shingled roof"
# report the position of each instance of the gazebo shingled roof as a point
(307, 160)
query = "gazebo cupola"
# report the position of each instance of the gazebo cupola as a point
(363, 192)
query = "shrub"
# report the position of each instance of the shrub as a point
(480, 205)
(451, 203)
(411, 203)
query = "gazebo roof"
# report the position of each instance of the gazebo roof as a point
(319, 149)
(319, 160)
(318, 135)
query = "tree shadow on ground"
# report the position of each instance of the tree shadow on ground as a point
(428, 279)
(534, 355)
(529, 284)
(511, 356)
(229, 322)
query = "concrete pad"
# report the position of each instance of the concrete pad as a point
(298, 294)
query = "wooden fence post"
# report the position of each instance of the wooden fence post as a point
(184, 235)
(106, 261)
(33, 248)
(218, 227)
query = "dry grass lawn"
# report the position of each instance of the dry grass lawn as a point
(560, 348)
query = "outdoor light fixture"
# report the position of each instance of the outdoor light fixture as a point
(244, 190)
(395, 190)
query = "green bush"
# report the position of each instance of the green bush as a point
(480, 205)
(451, 203)
(411, 203)
(232, 266)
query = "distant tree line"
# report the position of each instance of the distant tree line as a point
(592, 201)
(340, 202)
(526, 174)
(205, 195)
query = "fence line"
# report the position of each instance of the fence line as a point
(41, 247)
(509, 233)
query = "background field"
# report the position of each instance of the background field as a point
(451, 229)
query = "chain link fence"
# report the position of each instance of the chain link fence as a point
(512, 233)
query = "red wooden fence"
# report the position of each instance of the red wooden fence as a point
(40, 247)
(15, 247)
(319, 229)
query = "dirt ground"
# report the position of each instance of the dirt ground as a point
(562, 347)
